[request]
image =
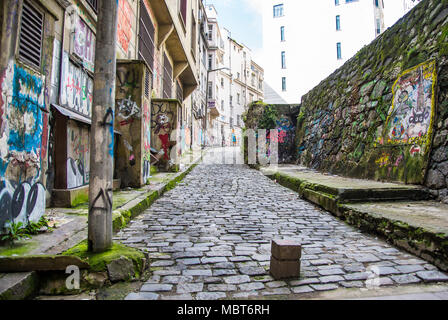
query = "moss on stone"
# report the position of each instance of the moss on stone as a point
(18, 248)
(98, 261)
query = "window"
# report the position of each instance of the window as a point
(222, 82)
(31, 34)
(282, 33)
(183, 10)
(238, 98)
(210, 89)
(193, 35)
(377, 3)
(179, 92)
(210, 32)
(222, 105)
(338, 23)
(278, 10)
(283, 83)
(146, 37)
(378, 26)
(167, 77)
(210, 62)
(348, 1)
(339, 52)
(336, 2)
(283, 60)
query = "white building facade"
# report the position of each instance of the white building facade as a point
(236, 82)
(305, 41)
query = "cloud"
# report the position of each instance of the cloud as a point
(255, 5)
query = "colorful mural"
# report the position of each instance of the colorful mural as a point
(412, 112)
(124, 28)
(163, 124)
(76, 88)
(146, 156)
(84, 44)
(78, 160)
(23, 134)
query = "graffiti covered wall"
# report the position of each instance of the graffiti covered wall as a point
(78, 155)
(280, 117)
(23, 143)
(133, 121)
(76, 88)
(383, 114)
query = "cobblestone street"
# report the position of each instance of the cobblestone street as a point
(210, 238)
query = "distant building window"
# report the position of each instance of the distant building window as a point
(339, 52)
(183, 10)
(210, 62)
(283, 60)
(338, 23)
(378, 26)
(282, 33)
(283, 83)
(278, 10)
(377, 4)
(348, 1)
(210, 32)
(336, 2)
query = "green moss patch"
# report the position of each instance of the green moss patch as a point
(98, 261)
(19, 248)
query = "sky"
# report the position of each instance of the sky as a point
(244, 20)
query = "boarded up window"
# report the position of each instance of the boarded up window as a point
(167, 77)
(146, 37)
(31, 34)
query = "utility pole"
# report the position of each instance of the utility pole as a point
(102, 130)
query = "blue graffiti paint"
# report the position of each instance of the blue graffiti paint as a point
(111, 132)
(27, 89)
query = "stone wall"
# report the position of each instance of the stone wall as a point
(384, 114)
(281, 117)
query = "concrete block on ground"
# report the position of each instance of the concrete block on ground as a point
(286, 250)
(284, 269)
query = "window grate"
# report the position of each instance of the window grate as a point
(31, 34)
(179, 92)
(167, 77)
(146, 36)
(148, 77)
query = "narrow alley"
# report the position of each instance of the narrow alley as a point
(210, 238)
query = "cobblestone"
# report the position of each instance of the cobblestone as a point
(210, 237)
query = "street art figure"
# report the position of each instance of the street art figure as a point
(162, 130)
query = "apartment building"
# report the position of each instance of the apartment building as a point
(305, 41)
(234, 80)
(47, 66)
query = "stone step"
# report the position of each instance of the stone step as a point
(343, 189)
(40, 263)
(18, 285)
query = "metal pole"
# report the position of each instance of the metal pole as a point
(102, 130)
(206, 110)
